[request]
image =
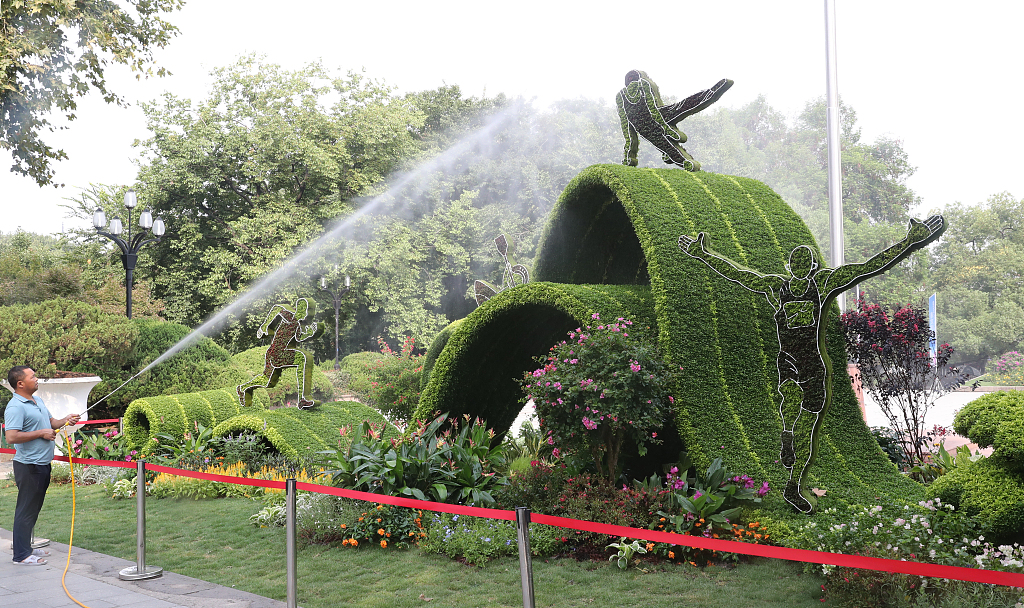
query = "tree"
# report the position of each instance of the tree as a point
(896, 367)
(978, 270)
(42, 70)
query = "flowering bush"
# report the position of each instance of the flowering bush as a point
(106, 446)
(896, 367)
(395, 380)
(930, 532)
(597, 389)
(385, 526)
(1009, 369)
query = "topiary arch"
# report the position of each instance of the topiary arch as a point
(610, 246)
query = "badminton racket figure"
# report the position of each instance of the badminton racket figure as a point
(284, 351)
(485, 291)
(798, 299)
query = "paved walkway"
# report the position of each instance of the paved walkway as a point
(92, 579)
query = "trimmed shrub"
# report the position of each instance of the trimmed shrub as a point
(173, 414)
(302, 433)
(991, 489)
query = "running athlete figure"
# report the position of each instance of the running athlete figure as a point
(284, 351)
(805, 370)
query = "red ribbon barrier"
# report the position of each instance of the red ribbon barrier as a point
(107, 421)
(992, 577)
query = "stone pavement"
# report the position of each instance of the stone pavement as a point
(92, 579)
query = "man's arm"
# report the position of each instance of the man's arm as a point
(769, 284)
(15, 436)
(59, 423)
(919, 234)
(265, 328)
(652, 104)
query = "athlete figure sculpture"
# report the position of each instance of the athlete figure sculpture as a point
(805, 370)
(284, 351)
(642, 112)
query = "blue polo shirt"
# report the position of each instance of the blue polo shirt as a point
(24, 415)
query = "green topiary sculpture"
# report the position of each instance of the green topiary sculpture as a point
(610, 247)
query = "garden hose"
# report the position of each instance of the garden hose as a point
(71, 540)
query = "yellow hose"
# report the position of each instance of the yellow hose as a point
(67, 442)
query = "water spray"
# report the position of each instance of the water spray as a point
(116, 389)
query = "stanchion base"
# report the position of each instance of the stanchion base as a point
(40, 542)
(132, 573)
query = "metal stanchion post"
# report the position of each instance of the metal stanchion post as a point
(140, 571)
(38, 543)
(290, 539)
(525, 560)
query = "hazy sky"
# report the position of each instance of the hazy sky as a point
(943, 77)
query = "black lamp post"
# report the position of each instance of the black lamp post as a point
(129, 246)
(336, 292)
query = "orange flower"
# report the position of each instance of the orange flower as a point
(380, 531)
(354, 543)
(343, 526)
(754, 524)
(650, 546)
(757, 536)
(379, 520)
(383, 544)
(671, 555)
(360, 519)
(662, 519)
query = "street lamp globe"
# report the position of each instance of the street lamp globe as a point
(116, 228)
(130, 199)
(158, 226)
(146, 219)
(99, 219)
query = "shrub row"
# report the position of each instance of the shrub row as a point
(174, 414)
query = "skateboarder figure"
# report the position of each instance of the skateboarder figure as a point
(284, 352)
(805, 370)
(642, 112)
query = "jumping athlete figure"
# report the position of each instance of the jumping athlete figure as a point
(642, 112)
(283, 351)
(805, 370)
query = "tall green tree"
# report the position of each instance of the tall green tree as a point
(54, 51)
(979, 276)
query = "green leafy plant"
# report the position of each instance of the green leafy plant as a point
(941, 462)
(597, 389)
(199, 444)
(710, 501)
(625, 552)
(456, 465)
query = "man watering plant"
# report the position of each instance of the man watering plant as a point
(30, 429)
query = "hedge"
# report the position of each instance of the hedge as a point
(992, 489)
(615, 229)
(436, 346)
(294, 432)
(173, 414)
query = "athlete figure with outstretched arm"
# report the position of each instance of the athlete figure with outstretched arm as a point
(805, 371)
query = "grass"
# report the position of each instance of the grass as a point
(213, 540)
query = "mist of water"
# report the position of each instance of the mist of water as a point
(417, 179)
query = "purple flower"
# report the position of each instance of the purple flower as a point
(763, 489)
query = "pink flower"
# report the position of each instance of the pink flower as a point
(595, 316)
(634, 366)
(556, 453)
(590, 424)
(654, 435)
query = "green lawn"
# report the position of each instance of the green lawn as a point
(212, 540)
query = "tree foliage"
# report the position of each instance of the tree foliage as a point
(53, 51)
